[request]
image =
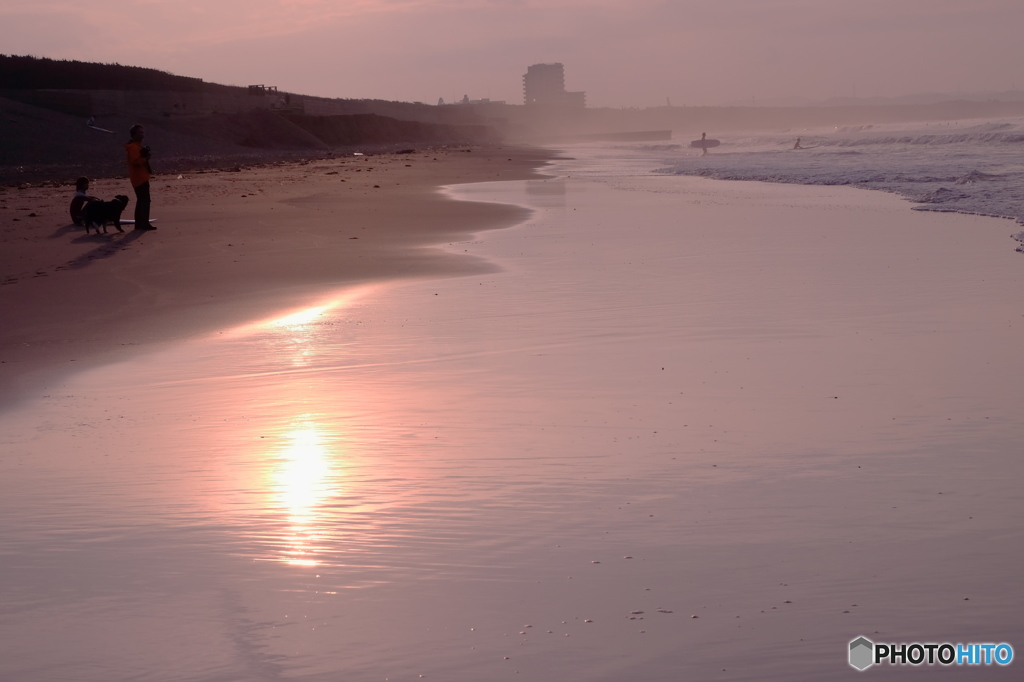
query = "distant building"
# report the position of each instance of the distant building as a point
(466, 100)
(544, 86)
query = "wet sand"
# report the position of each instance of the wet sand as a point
(665, 428)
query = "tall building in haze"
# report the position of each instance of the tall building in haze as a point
(544, 86)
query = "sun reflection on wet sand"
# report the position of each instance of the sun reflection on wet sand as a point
(271, 423)
(300, 318)
(301, 482)
(304, 470)
(297, 332)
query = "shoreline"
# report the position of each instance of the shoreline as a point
(231, 244)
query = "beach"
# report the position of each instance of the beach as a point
(230, 239)
(499, 416)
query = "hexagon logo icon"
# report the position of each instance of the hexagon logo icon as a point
(862, 652)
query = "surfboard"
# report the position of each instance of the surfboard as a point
(704, 144)
(131, 221)
(102, 130)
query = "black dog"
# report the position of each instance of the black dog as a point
(97, 214)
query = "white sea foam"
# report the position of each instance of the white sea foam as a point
(964, 167)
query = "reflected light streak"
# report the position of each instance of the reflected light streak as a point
(301, 481)
(302, 335)
(303, 467)
(303, 317)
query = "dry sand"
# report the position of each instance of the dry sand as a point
(229, 243)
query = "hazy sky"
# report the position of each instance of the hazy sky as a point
(621, 53)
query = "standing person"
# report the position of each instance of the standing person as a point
(140, 173)
(704, 143)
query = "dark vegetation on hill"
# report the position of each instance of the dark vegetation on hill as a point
(44, 136)
(40, 145)
(41, 73)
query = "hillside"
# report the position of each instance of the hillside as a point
(45, 105)
(38, 144)
(40, 73)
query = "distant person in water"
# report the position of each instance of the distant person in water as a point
(139, 172)
(80, 199)
(797, 145)
(704, 143)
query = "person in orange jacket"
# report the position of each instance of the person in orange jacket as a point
(139, 172)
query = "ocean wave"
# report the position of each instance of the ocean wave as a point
(934, 187)
(942, 195)
(1020, 238)
(976, 176)
(976, 169)
(659, 147)
(964, 138)
(809, 176)
(993, 125)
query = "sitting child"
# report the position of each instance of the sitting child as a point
(80, 199)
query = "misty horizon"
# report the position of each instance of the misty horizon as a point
(917, 98)
(642, 55)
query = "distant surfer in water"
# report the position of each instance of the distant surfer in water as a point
(705, 143)
(797, 145)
